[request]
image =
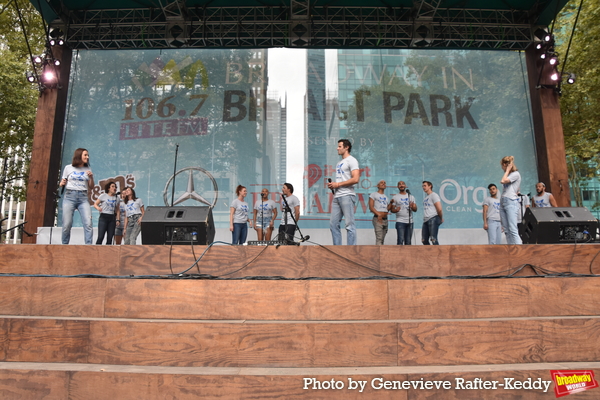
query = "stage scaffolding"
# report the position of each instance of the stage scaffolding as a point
(421, 24)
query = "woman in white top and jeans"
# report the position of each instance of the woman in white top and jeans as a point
(509, 202)
(238, 217)
(134, 209)
(78, 179)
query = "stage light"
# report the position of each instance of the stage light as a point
(30, 76)
(571, 79)
(543, 56)
(553, 60)
(61, 42)
(555, 76)
(52, 42)
(57, 62)
(548, 38)
(538, 46)
(49, 77)
(38, 59)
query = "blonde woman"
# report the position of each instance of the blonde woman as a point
(509, 201)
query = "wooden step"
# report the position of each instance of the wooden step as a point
(294, 262)
(109, 382)
(299, 300)
(300, 344)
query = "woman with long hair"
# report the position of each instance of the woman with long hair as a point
(77, 178)
(238, 217)
(107, 204)
(509, 201)
(134, 210)
(265, 212)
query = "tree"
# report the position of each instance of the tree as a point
(580, 103)
(18, 97)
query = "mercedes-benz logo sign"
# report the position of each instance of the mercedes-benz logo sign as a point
(190, 193)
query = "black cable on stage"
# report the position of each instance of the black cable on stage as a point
(355, 262)
(202, 255)
(248, 263)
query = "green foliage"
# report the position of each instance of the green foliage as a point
(18, 97)
(580, 103)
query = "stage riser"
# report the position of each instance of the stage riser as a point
(294, 262)
(59, 385)
(280, 345)
(298, 300)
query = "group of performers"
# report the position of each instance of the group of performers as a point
(120, 213)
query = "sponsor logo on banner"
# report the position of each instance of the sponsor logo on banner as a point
(569, 381)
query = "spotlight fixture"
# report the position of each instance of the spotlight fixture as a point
(571, 79)
(48, 77)
(548, 38)
(555, 76)
(553, 60)
(543, 56)
(57, 62)
(30, 76)
(61, 42)
(38, 59)
(538, 46)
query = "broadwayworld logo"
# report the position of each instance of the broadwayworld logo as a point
(568, 382)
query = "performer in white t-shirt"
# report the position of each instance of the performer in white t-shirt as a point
(432, 215)
(543, 198)
(77, 179)
(509, 201)
(403, 204)
(265, 212)
(378, 205)
(344, 199)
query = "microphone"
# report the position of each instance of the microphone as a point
(329, 180)
(263, 195)
(304, 239)
(407, 191)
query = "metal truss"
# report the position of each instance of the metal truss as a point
(328, 27)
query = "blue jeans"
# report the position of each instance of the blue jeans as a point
(494, 232)
(76, 200)
(404, 232)
(430, 230)
(343, 207)
(509, 215)
(239, 234)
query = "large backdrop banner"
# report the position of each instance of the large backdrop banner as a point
(264, 117)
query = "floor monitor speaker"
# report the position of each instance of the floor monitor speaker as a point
(558, 225)
(178, 225)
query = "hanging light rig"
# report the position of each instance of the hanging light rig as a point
(45, 66)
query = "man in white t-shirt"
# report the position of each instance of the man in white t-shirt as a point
(543, 198)
(378, 205)
(491, 216)
(403, 205)
(289, 216)
(347, 176)
(432, 215)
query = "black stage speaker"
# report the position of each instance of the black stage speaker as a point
(178, 225)
(558, 225)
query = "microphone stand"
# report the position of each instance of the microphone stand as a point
(410, 216)
(174, 173)
(287, 209)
